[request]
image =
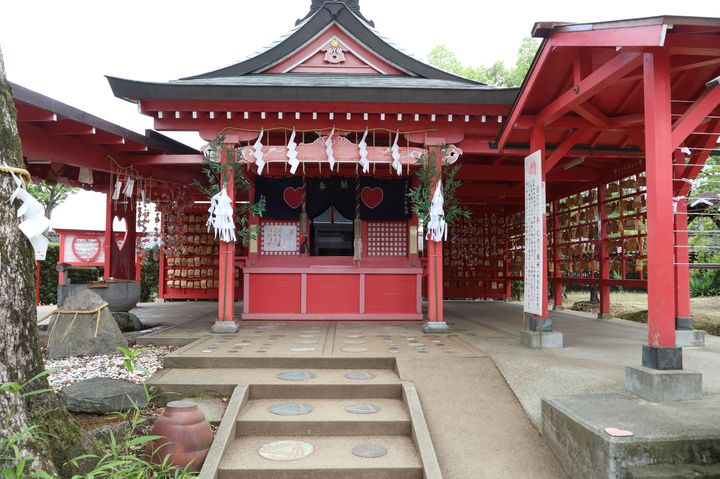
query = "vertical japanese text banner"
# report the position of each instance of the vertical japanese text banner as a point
(534, 221)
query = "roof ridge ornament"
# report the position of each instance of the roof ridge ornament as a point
(352, 5)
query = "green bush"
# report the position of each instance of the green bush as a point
(704, 283)
(149, 275)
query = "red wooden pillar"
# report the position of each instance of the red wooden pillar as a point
(604, 255)
(506, 258)
(108, 242)
(557, 285)
(226, 289)
(537, 142)
(660, 352)
(683, 319)
(435, 322)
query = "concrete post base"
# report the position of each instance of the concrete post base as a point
(690, 339)
(224, 327)
(604, 316)
(661, 386)
(436, 327)
(550, 340)
(558, 308)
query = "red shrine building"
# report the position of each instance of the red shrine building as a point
(331, 125)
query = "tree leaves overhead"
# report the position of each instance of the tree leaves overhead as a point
(496, 74)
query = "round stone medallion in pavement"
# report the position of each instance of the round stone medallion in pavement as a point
(297, 375)
(369, 450)
(291, 408)
(359, 375)
(354, 350)
(286, 450)
(363, 408)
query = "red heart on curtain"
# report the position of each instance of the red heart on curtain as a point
(293, 196)
(372, 197)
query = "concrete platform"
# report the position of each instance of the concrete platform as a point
(664, 433)
(694, 338)
(546, 340)
(666, 385)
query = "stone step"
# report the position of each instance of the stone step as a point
(330, 383)
(332, 459)
(196, 358)
(328, 418)
(675, 471)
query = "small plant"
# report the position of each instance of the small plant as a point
(704, 284)
(421, 195)
(219, 164)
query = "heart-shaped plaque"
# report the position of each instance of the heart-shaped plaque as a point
(86, 248)
(293, 196)
(372, 197)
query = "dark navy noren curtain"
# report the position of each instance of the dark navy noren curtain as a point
(384, 199)
(283, 197)
(380, 199)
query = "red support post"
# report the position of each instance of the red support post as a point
(435, 321)
(604, 255)
(226, 290)
(108, 242)
(660, 244)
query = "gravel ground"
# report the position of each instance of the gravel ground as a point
(72, 370)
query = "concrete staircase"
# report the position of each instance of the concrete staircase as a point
(331, 431)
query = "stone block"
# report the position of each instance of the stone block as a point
(690, 339)
(550, 340)
(436, 327)
(663, 433)
(664, 358)
(103, 396)
(224, 327)
(659, 386)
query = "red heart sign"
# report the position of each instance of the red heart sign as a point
(372, 197)
(86, 248)
(293, 196)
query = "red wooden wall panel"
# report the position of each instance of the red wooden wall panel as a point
(333, 293)
(390, 293)
(275, 293)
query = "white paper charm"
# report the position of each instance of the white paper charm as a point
(117, 190)
(437, 227)
(329, 149)
(85, 176)
(129, 187)
(396, 155)
(258, 151)
(34, 222)
(221, 217)
(292, 153)
(362, 146)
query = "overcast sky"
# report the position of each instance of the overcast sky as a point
(63, 49)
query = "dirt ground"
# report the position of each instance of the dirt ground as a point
(631, 305)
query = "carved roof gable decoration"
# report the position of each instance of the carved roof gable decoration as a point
(334, 52)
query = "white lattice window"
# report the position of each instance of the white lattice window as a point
(387, 238)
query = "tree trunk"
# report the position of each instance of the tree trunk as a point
(594, 294)
(20, 354)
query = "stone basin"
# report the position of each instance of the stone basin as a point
(121, 295)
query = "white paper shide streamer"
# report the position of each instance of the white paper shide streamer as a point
(329, 150)
(362, 146)
(396, 155)
(437, 227)
(292, 153)
(258, 147)
(34, 222)
(85, 176)
(221, 217)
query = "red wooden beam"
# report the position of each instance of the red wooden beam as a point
(698, 112)
(693, 44)
(27, 113)
(593, 115)
(166, 160)
(622, 64)
(69, 127)
(563, 148)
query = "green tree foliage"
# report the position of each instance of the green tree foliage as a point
(149, 275)
(496, 74)
(50, 195)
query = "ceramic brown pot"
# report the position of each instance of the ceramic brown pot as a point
(186, 436)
